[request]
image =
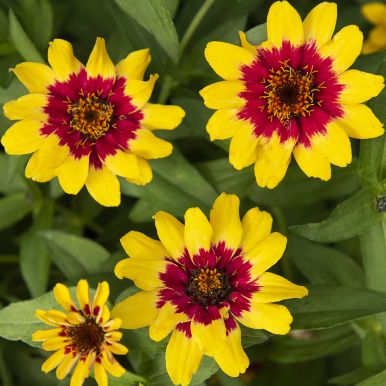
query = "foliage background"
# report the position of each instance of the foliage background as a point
(337, 239)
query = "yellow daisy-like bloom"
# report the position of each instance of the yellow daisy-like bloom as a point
(88, 124)
(84, 336)
(203, 279)
(292, 94)
(375, 13)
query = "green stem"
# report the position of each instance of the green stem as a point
(165, 90)
(194, 24)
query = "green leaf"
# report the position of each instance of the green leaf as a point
(11, 179)
(75, 256)
(176, 186)
(154, 16)
(324, 265)
(376, 380)
(18, 320)
(330, 306)
(344, 182)
(221, 174)
(250, 337)
(21, 41)
(126, 379)
(353, 377)
(13, 208)
(348, 219)
(305, 346)
(258, 34)
(34, 264)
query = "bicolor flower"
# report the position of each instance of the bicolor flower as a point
(292, 94)
(88, 124)
(83, 336)
(201, 280)
(375, 13)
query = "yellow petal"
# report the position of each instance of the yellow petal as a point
(223, 95)
(134, 65)
(183, 358)
(100, 374)
(138, 310)
(375, 12)
(51, 153)
(82, 293)
(273, 158)
(42, 335)
(223, 124)
(360, 122)
(313, 163)
(38, 172)
(99, 62)
(55, 343)
(344, 48)
(225, 221)
(145, 174)
(123, 164)
(198, 231)
(232, 360)
(36, 77)
(266, 253)
(62, 60)
(117, 348)
(227, 59)
(281, 15)
(144, 271)
(377, 38)
(52, 317)
(245, 43)
(112, 365)
(161, 117)
(242, 150)
(101, 295)
(274, 318)
(63, 296)
(65, 367)
(171, 233)
(23, 137)
(359, 86)
(334, 145)
(73, 173)
(319, 25)
(139, 90)
(256, 225)
(103, 186)
(167, 318)
(29, 107)
(53, 361)
(148, 146)
(79, 373)
(274, 288)
(140, 246)
(211, 338)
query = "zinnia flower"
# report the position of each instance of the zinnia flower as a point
(203, 279)
(292, 94)
(84, 336)
(88, 125)
(375, 13)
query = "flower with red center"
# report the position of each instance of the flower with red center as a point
(83, 336)
(292, 94)
(88, 124)
(203, 279)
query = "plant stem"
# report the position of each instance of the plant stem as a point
(194, 24)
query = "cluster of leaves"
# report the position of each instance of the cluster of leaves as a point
(338, 251)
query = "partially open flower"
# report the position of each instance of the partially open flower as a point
(83, 336)
(88, 125)
(292, 94)
(203, 279)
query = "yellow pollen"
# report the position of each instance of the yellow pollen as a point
(90, 115)
(208, 280)
(289, 93)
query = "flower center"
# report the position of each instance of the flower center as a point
(208, 286)
(90, 115)
(290, 93)
(87, 336)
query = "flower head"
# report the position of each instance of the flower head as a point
(83, 336)
(292, 94)
(88, 124)
(203, 279)
(375, 13)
